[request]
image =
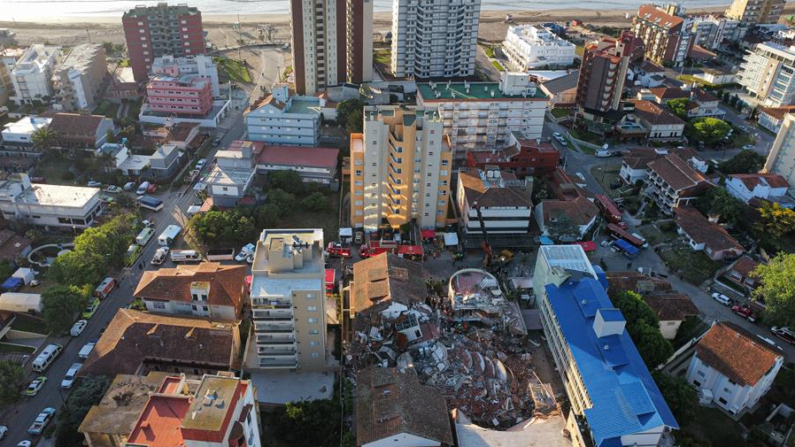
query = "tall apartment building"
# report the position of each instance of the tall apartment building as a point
(529, 47)
(190, 95)
(154, 31)
(200, 65)
(481, 116)
(711, 31)
(332, 43)
(32, 74)
(8, 58)
(434, 38)
(614, 400)
(401, 169)
(602, 74)
(768, 73)
(756, 12)
(80, 77)
(781, 159)
(665, 33)
(288, 292)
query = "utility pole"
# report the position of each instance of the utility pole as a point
(239, 39)
(88, 35)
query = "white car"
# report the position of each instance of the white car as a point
(41, 421)
(24, 444)
(749, 147)
(244, 252)
(721, 298)
(69, 379)
(78, 328)
(94, 184)
(3, 431)
(200, 164)
(160, 256)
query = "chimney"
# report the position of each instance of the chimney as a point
(713, 218)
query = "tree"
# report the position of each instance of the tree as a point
(563, 229)
(680, 396)
(679, 107)
(745, 162)
(719, 201)
(317, 201)
(776, 220)
(267, 216)
(287, 180)
(280, 200)
(43, 138)
(346, 108)
(224, 227)
(708, 130)
(6, 269)
(644, 328)
(11, 379)
(61, 303)
(355, 123)
(777, 289)
(308, 423)
(87, 394)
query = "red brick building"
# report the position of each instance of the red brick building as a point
(522, 157)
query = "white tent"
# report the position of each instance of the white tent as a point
(450, 239)
(26, 274)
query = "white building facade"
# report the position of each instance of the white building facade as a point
(768, 73)
(529, 47)
(32, 74)
(44, 205)
(285, 119)
(434, 38)
(199, 65)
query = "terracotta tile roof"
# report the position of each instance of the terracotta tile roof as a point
(268, 100)
(671, 306)
(167, 284)
(676, 172)
(580, 210)
(702, 96)
(485, 195)
(320, 157)
(752, 180)
(12, 245)
(667, 93)
(744, 266)
(385, 278)
(736, 353)
(160, 421)
(701, 230)
(778, 112)
(390, 403)
(635, 282)
(660, 18)
(654, 114)
(133, 337)
(72, 125)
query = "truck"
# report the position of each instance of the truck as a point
(150, 203)
(338, 250)
(221, 254)
(377, 247)
(617, 232)
(415, 252)
(610, 211)
(144, 236)
(168, 235)
(185, 256)
(104, 288)
(21, 302)
(627, 249)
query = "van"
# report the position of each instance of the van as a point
(144, 236)
(47, 356)
(104, 288)
(142, 188)
(86, 350)
(185, 256)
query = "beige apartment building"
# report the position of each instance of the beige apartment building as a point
(401, 171)
(288, 291)
(755, 12)
(781, 159)
(79, 78)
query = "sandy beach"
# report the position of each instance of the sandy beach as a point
(492, 27)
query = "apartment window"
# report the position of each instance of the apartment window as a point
(314, 343)
(426, 214)
(723, 401)
(314, 332)
(158, 305)
(358, 172)
(310, 296)
(140, 23)
(314, 354)
(701, 373)
(445, 162)
(312, 308)
(141, 31)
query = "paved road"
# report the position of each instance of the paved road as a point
(21, 416)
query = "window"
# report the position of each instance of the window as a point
(726, 390)
(723, 401)
(312, 308)
(314, 343)
(158, 305)
(315, 354)
(314, 331)
(312, 321)
(701, 373)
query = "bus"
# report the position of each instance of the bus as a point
(627, 249)
(617, 232)
(150, 203)
(609, 210)
(185, 256)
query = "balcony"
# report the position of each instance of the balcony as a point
(276, 362)
(273, 327)
(273, 315)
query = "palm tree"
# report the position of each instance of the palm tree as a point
(43, 138)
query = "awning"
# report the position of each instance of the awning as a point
(588, 246)
(330, 275)
(546, 241)
(428, 234)
(450, 239)
(249, 278)
(411, 250)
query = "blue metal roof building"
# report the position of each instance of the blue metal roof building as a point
(624, 407)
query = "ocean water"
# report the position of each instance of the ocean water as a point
(70, 9)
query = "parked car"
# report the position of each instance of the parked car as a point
(113, 189)
(245, 252)
(559, 137)
(721, 298)
(91, 309)
(129, 186)
(93, 184)
(358, 237)
(148, 223)
(35, 386)
(71, 375)
(200, 164)
(41, 421)
(160, 256)
(216, 142)
(143, 188)
(78, 328)
(749, 147)
(3, 431)
(744, 311)
(24, 444)
(784, 333)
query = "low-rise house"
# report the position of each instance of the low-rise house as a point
(48, 206)
(207, 289)
(522, 157)
(282, 118)
(672, 182)
(740, 272)
(766, 186)
(649, 74)
(395, 409)
(580, 212)
(561, 90)
(635, 162)
(164, 162)
(17, 137)
(771, 118)
(663, 94)
(716, 76)
(75, 131)
(137, 342)
(123, 86)
(659, 123)
(386, 284)
(13, 246)
(495, 202)
(313, 164)
(704, 235)
(672, 309)
(233, 173)
(733, 368)
(703, 104)
(184, 135)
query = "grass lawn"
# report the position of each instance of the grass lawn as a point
(586, 136)
(9, 348)
(605, 175)
(560, 113)
(692, 79)
(29, 325)
(489, 51)
(498, 65)
(579, 50)
(720, 429)
(383, 57)
(235, 70)
(107, 108)
(656, 236)
(695, 267)
(327, 220)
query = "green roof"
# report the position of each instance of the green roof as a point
(477, 90)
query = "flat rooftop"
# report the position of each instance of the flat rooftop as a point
(55, 195)
(27, 126)
(307, 106)
(211, 404)
(81, 57)
(568, 257)
(277, 387)
(477, 91)
(135, 163)
(229, 176)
